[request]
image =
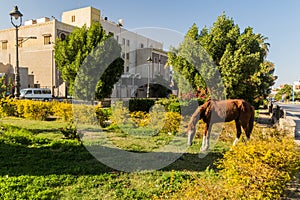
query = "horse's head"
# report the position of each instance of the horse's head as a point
(202, 112)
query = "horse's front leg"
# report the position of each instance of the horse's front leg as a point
(206, 137)
(191, 135)
(191, 129)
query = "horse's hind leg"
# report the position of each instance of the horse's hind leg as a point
(238, 131)
(247, 130)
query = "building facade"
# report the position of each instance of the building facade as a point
(296, 86)
(36, 51)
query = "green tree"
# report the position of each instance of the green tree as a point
(240, 58)
(285, 92)
(86, 51)
(190, 61)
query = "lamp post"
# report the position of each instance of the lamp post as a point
(293, 93)
(149, 59)
(15, 14)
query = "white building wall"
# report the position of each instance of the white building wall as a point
(296, 86)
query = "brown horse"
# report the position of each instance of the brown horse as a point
(222, 111)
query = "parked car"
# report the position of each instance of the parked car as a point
(44, 94)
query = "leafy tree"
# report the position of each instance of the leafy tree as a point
(285, 92)
(99, 72)
(86, 51)
(240, 58)
(190, 61)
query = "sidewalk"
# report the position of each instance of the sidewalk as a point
(264, 118)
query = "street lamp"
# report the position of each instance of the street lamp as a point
(149, 59)
(15, 14)
(293, 93)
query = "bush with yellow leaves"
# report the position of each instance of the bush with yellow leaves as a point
(259, 169)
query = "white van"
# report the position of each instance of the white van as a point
(36, 94)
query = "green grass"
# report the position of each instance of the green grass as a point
(36, 162)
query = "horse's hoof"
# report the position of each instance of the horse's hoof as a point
(204, 149)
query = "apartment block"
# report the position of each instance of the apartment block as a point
(36, 52)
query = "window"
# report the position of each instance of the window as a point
(47, 39)
(73, 18)
(46, 91)
(127, 68)
(124, 41)
(128, 43)
(4, 45)
(127, 56)
(117, 38)
(37, 92)
(142, 45)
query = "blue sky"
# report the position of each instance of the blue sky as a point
(276, 19)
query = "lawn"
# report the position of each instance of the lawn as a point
(37, 162)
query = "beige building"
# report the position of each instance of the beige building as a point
(37, 55)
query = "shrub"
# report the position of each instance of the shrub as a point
(37, 110)
(140, 118)
(260, 168)
(140, 104)
(103, 115)
(85, 114)
(164, 122)
(121, 115)
(7, 107)
(70, 131)
(172, 122)
(62, 110)
(174, 105)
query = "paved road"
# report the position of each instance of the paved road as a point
(293, 111)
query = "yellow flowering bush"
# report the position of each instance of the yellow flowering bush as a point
(140, 118)
(258, 170)
(7, 107)
(62, 110)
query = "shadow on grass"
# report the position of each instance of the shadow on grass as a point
(76, 160)
(58, 159)
(192, 162)
(33, 131)
(41, 131)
